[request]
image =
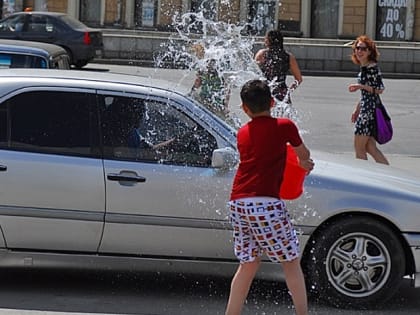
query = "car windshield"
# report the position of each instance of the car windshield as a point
(73, 23)
(13, 23)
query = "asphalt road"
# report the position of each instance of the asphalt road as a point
(324, 106)
(52, 292)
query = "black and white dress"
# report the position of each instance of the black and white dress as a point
(275, 69)
(365, 124)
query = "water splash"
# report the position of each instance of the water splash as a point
(228, 48)
(200, 42)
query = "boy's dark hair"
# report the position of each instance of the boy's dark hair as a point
(256, 95)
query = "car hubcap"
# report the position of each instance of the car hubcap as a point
(358, 264)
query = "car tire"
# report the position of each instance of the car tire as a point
(357, 262)
(80, 64)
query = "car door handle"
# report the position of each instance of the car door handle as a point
(3, 168)
(126, 178)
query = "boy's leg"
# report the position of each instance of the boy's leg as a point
(240, 285)
(296, 284)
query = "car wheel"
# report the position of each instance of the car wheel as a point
(80, 64)
(356, 262)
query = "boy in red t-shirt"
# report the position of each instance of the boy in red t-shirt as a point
(261, 223)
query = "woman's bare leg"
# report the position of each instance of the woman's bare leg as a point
(360, 146)
(374, 151)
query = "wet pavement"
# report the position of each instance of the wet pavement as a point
(50, 292)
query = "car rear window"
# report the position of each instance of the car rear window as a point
(73, 23)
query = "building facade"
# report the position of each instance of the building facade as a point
(387, 20)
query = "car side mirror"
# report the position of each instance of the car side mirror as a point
(224, 158)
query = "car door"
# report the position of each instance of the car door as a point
(39, 28)
(163, 197)
(52, 190)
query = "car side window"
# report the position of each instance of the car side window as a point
(152, 131)
(38, 24)
(11, 60)
(50, 122)
(13, 24)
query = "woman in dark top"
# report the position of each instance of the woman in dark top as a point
(370, 84)
(275, 64)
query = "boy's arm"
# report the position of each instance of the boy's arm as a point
(304, 156)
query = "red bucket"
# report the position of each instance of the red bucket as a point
(293, 177)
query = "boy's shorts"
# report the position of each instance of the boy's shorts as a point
(263, 225)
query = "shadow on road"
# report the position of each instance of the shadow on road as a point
(90, 68)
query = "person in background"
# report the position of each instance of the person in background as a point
(275, 63)
(212, 90)
(260, 220)
(365, 54)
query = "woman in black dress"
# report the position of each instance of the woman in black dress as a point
(275, 63)
(370, 84)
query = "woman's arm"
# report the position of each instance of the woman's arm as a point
(367, 88)
(355, 113)
(259, 56)
(294, 69)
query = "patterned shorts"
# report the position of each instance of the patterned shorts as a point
(263, 226)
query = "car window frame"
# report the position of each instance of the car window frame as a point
(164, 99)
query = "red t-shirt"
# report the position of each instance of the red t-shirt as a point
(262, 149)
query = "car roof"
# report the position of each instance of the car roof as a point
(39, 12)
(54, 76)
(23, 46)
(15, 79)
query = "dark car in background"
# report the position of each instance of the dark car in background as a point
(81, 42)
(28, 54)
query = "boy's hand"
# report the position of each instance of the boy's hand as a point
(307, 165)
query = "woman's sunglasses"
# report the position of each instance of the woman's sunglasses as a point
(362, 48)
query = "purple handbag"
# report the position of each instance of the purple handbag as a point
(384, 129)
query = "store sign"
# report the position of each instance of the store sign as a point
(395, 20)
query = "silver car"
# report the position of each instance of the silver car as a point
(110, 171)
